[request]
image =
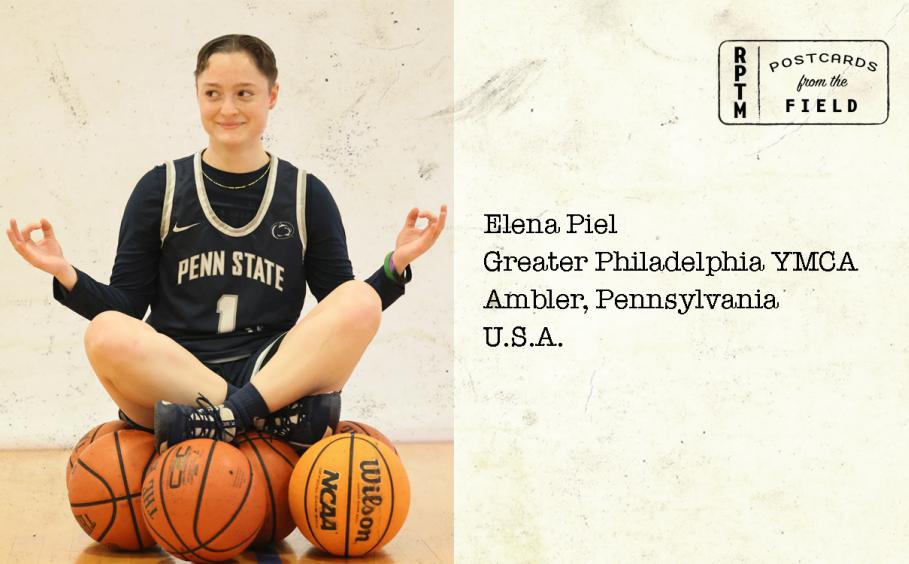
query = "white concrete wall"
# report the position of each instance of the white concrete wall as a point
(97, 93)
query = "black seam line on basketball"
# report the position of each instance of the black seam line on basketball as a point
(278, 452)
(94, 433)
(91, 440)
(158, 536)
(391, 484)
(350, 454)
(204, 544)
(132, 510)
(204, 479)
(242, 439)
(148, 463)
(271, 494)
(306, 490)
(71, 463)
(388, 444)
(247, 437)
(113, 516)
(106, 501)
(245, 540)
(356, 428)
(163, 501)
(363, 431)
(181, 555)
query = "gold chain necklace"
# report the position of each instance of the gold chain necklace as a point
(213, 181)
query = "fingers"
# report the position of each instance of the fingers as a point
(435, 224)
(27, 232)
(22, 235)
(15, 237)
(21, 239)
(415, 213)
(47, 229)
(16, 234)
(429, 233)
(411, 217)
(14, 231)
(428, 215)
(12, 238)
(443, 214)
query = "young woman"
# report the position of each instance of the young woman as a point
(221, 245)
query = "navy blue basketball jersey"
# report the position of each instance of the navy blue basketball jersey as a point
(222, 290)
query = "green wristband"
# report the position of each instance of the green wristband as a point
(389, 273)
(392, 274)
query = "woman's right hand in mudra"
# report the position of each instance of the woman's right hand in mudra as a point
(45, 254)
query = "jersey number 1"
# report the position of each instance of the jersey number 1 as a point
(227, 312)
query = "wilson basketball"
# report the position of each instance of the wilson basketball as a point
(202, 501)
(356, 427)
(349, 494)
(274, 460)
(94, 434)
(105, 488)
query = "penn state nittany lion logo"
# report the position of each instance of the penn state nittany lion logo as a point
(282, 230)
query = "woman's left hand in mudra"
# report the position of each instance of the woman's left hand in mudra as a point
(413, 241)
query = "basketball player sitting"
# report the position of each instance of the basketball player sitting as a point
(221, 244)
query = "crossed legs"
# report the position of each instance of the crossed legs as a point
(139, 366)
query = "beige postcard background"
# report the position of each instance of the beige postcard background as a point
(649, 436)
(716, 436)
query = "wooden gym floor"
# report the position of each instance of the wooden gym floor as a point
(37, 526)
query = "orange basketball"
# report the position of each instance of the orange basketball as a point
(349, 494)
(355, 427)
(202, 501)
(105, 488)
(274, 460)
(94, 434)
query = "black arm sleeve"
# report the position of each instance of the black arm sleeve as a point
(326, 259)
(134, 275)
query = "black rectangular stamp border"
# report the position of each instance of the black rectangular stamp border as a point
(718, 85)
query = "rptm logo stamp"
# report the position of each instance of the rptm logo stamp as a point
(804, 82)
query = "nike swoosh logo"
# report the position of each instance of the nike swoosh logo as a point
(185, 227)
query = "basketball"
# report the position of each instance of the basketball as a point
(356, 427)
(105, 488)
(274, 460)
(202, 501)
(94, 434)
(349, 494)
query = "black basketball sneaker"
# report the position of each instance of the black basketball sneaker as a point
(175, 423)
(304, 421)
